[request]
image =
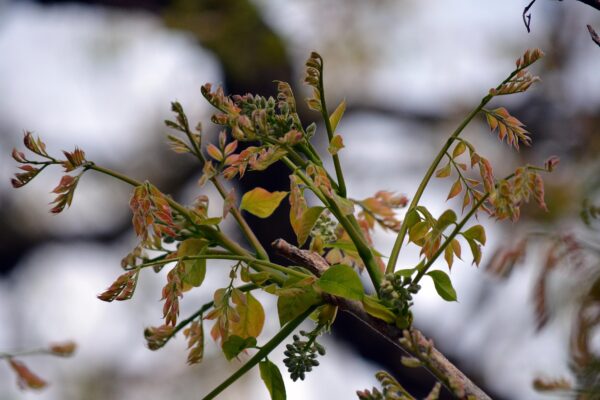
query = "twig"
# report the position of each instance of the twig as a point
(527, 17)
(594, 35)
(592, 3)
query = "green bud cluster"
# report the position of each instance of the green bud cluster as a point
(397, 292)
(325, 228)
(301, 355)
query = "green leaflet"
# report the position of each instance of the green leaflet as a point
(234, 345)
(341, 280)
(295, 297)
(443, 285)
(272, 378)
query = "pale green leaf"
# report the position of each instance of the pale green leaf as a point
(374, 308)
(336, 116)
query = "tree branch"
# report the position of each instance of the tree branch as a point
(412, 341)
(592, 3)
(594, 35)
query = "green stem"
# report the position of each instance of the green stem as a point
(219, 256)
(415, 201)
(348, 223)
(422, 271)
(336, 160)
(237, 215)
(241, 221)
(262, 353)
(210, 232)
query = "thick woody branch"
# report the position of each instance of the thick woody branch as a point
(412, 341)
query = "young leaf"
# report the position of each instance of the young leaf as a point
(443, 285)
(195, 270)
(459, 149)
(449, 256)
(304, 225)
(447, 218)
(261, 202)
(374, 308)
(455, 189)
(289, 307)
(234, 345)
(335, 145)
(271, 376)
(476, 233)
(341, 280)
(418, 231)
(251, 316)
(475, 250)
(25, 378)
(336, 116)
(443, 172)
(295, 297)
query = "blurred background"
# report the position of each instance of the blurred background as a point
(101, 75)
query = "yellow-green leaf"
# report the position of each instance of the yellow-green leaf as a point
(261, 202)
(459, 149)
(304, 224)
(336, 116)
(335, 145)
(446, 219)
(251, 316)
(476, 233)
(444, 171)
(418, 231)
(374, 308)
(195, 270)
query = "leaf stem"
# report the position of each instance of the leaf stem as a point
(262, 353)
(224, 256)
(237, 215)
(348, 223)
(422, 271)
(210, 232)
(415, 201)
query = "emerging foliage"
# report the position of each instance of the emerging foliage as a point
(258, 132)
